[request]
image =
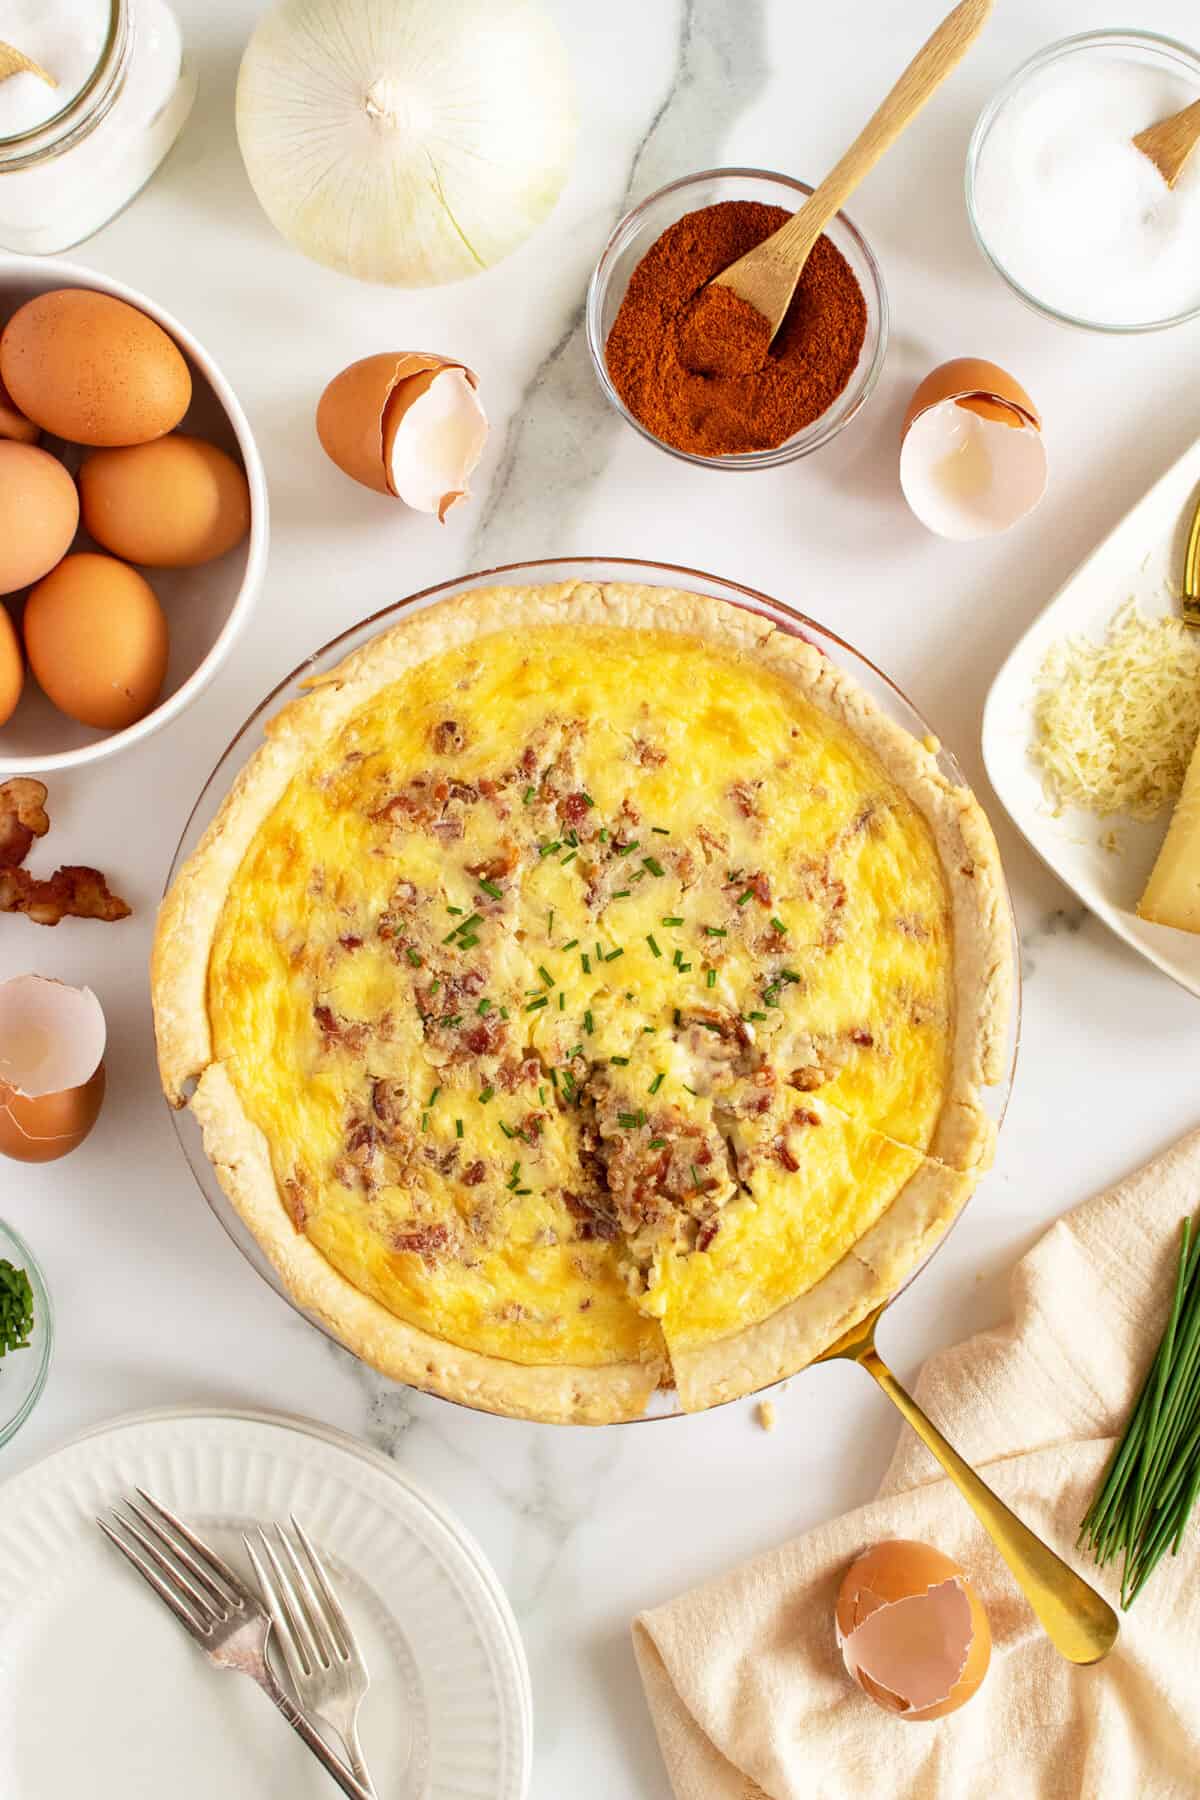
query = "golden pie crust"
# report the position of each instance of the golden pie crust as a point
(826, 1140)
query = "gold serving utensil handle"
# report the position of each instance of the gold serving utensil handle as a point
(1079, 1622)
(1191, 575)
(15, 62)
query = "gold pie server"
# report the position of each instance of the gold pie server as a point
(1079, 1622)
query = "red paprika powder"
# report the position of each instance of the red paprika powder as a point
(694, 363)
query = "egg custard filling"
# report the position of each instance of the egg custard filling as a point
(589, 989)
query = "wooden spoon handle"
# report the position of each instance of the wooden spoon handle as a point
(941, 54)
(15, 62)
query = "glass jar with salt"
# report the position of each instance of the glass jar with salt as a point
(93, 93)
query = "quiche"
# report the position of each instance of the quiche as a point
(585, 989)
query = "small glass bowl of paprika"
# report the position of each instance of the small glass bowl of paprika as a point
(686, 373)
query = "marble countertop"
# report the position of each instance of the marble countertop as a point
(154, 1305)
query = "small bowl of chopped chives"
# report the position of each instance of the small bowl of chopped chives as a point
(26, 1333)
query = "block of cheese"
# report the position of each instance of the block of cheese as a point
(1172, 895)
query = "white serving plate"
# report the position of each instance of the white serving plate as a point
(103, 1693)
(1141, 559)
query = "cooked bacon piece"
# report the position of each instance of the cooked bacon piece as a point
(23, 817)
(513, 1072)
(785, 1156)
(863, 1038)
(713, 843)
(448, 737)
(485, 1036)
(72, 892)
(574, 808)
(803, 1116)
(595, 1218)
(296, 1190)
(531, 1126)
(352, 1036)
(387, 1101)
(707, 1232)
(447, 830)
(648, 754)
(808, 1078)
(350, 942)
(496, 867)
(744, 795)
(474, 1173)
(426, 1241)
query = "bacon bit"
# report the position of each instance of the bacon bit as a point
(350, 943)
(512, 1072)
(426, 1241)
(339, 1031)
(808, 1078)
(862, 1037)
(295, 1197)
(594, 1220)
(531, 1125)
(574, 808)
(707, 1232)
(447, 830)
(785, 1156)
(495, 868)
(387, 1101)
(713, 843)
(73, 892)
(448, 737)
(473, 1174)
(685, 867)
(802, 1116)
(485, 1036)
(649, 755)
(744, 795)
(23, 817)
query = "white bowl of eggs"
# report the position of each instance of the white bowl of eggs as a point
(133, 517)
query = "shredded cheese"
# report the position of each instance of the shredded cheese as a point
(1115, 723)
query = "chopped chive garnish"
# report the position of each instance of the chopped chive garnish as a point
(545, 974)
(613, 955)
(779, 926)
(690, 1090)
(424, 1121)
(696, 1176)
(568, 858)
(571, 945)
(554, 1078)
(629, 1121)
(549, 849)
(489, 887)
(451, 1019)
(599, 952)
(413, 958)
(588, 1023)
(709, 1024)
(529, 793)
(660, 830)
(577, 1051)
(484, 1008)
(789, 975)
(434, 986)
(534, 1004)
(468, 943)
(602, 834)
(586, 960)
(433, 1096)
(684, 967)
(504, 1012)
(622, 893)
(715, 931)
(562, 1000)
(507, 1129)
(620, 1061)
(771, 994)
(657, 1082)
(457, 910)
(658, 1143)
(541, 1096)
(672, 919)
(755, 1015)
(677, 1018)
(677, 959)
(587, 798)
(627, 849)
(458, 1128)
(571, 837)
(746, 894)
(652, 863)
(648, 1030)
(710, 980)
(653, 945)
(485, 1095)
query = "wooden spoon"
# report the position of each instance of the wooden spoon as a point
(1169, 143)
(15, 62)
(766, 276)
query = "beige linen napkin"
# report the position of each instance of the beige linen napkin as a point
(744, 1679)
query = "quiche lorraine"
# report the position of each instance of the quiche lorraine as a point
(587, 988)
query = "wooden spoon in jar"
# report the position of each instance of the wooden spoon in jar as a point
(1169, 143)
(766, 276)
(15, 62)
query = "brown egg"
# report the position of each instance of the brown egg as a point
(43, 1129)
(12, 667)
(913, 1632)
(96, 638)
(14, 424)
(39, 511)
(170, 504)
(92, 369)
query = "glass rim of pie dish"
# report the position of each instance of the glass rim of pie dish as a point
(250, 736)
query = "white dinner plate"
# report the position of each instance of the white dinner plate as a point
(1141, 559)
(103, 1694)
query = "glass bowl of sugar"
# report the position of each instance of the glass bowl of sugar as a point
(1078, 221)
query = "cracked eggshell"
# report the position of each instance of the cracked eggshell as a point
(52, 1039)
(972, 458)
(912, 1630)
(408, 424)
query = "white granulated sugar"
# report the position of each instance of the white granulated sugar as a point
(1075, 214)
(64, 37)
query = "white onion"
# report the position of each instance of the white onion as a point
(406, 141)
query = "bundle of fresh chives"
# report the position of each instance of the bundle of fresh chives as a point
(1152, 1480)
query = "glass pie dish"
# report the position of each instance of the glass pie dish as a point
(784, 614)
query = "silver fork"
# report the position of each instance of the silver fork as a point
(213, 1604)
(323, 1659)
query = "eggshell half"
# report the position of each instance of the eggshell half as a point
(912, 1630)
(361, 417)
(972, 459)
(52, 1039)
(92, 369)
